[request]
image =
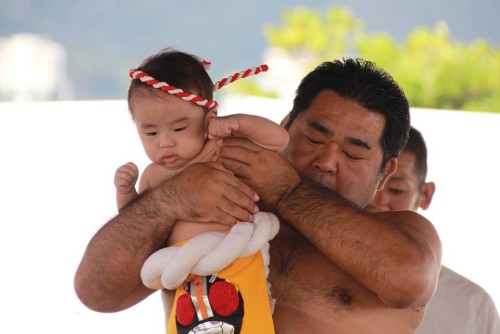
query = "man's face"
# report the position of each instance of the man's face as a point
(403, 190)
(336, 142)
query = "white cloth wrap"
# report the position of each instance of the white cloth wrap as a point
(209, 253)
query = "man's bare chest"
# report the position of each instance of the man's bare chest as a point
(309, 285)
(300, 272)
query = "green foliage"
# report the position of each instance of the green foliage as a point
(248, 86)
(434, 70)
(324, 36)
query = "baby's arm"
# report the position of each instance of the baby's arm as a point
(261, 130)
(125, 180)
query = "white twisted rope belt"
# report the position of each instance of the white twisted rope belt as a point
(209, 253)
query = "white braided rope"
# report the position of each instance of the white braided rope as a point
(209, 253)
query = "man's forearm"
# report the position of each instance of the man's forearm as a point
(374, 251)
(108, 278)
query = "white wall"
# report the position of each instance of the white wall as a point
(58, 160)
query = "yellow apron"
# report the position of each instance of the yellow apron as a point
(235, 298)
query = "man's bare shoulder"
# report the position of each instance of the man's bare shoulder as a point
(403, 217)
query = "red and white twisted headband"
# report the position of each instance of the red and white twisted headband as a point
(149, 80)
(240, 75)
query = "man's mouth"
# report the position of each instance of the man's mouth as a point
(321, 179)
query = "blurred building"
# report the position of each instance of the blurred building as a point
(33, 68)
(286, 70)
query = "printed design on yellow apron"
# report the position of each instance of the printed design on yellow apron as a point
(210, 305)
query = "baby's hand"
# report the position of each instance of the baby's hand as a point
(222, 126)
(125, 178)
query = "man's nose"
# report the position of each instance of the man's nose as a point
(327, 160)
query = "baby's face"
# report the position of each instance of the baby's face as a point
(172, 131)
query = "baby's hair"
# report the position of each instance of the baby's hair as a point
(183, 75)
(179, 69)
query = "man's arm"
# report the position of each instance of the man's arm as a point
(108, 277)
(395, 254)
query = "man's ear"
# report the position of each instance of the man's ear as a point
(426, 193)
(390, 168)
(285, 120)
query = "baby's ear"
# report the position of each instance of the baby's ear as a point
(212, 112)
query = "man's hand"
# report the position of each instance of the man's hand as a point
(266, 171)
(207, 192)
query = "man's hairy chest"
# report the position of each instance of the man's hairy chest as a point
(301, 273)
(304, 280)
